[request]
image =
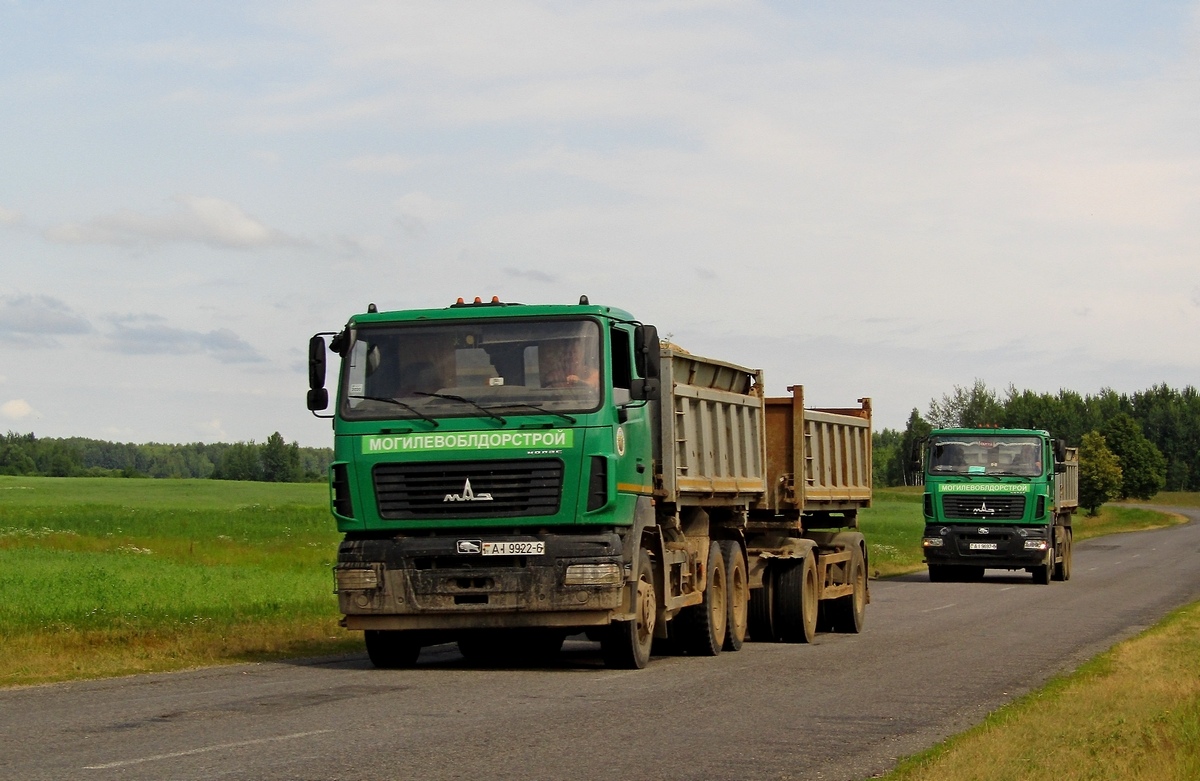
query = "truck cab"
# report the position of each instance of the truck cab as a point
(489, 461)
(998, 498)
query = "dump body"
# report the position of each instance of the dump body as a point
(818, 460)
(483, 484)
(710, 438)
(722, 443)
(999, 498)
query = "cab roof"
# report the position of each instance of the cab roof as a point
(479, 310)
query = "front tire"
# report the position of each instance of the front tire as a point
(1062, 570)
(626, 644)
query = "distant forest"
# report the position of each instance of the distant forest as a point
(272, 461)
(1169, 419)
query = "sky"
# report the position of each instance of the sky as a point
(881, 199)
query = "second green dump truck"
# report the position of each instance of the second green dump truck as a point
(507, 471)
(998, 499)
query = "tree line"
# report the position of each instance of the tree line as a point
(1152, 436)
(274, 460)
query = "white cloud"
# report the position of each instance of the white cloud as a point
(211, 431)
(10, 217)
(200, 220)
(17, 409)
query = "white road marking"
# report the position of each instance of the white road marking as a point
(943, 607)
(206, 749)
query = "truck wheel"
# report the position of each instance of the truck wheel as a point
(760, 620)
(391, 649)
(626, 644)
(1062, 569)
(796, 601)
(702, 627)
(846, 614)
(737, 588)
(939, 573)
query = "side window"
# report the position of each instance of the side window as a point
(622, 364)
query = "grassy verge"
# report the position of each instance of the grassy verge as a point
(1132, 713)
(107, 577)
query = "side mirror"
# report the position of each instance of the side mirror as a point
(648, 359)
(1060, 450)
(318, 396)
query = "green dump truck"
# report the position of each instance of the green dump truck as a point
(506, 475)
(998, 498)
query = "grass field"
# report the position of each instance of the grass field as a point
(105, 577)
(102, 576)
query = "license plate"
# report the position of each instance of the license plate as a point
(983, 546)
(509, 548)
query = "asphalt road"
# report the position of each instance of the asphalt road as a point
(933, 659)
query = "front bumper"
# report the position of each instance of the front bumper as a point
(427, 583)
(990, 546)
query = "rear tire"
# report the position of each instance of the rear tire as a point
(391, 649)
(702, 627)
(738, 591)
(760, 620)
(626, 645)
(846, 614)
(796, 601)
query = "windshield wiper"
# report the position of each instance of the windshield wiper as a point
(544, 411)
(398, 403)
(464, 400)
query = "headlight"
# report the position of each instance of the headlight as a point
(932, 542)
(594, 575)
(1035, 545)
(356, 579)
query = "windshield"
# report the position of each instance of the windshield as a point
(985, 455)
(472, 368)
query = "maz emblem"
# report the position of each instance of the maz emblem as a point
(468, 495)
(983, 509)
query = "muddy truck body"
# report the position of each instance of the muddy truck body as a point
(506, 475)
(998, 499)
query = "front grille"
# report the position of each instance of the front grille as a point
(984, 508)
(457, 489)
